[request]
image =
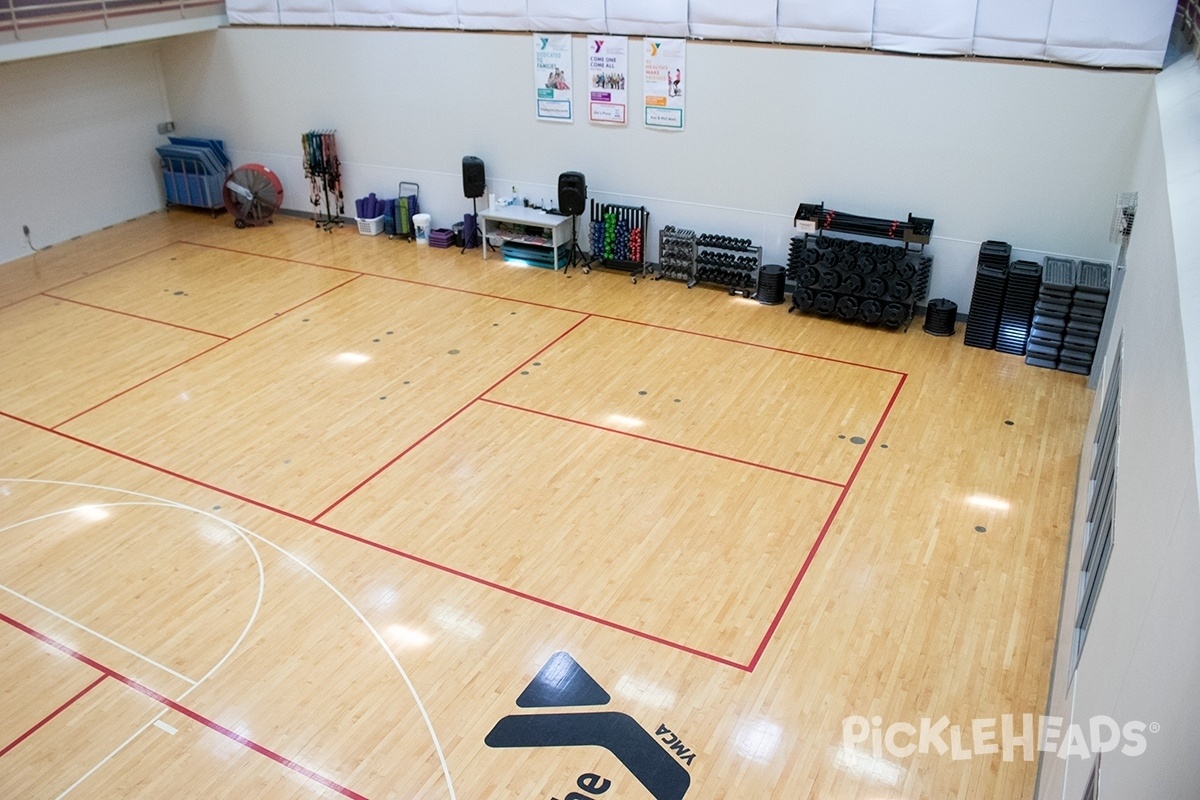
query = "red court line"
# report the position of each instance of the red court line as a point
(664, 442)
(52, 715)
(135, 316)
(197, 355)
(447, 420)
(837, 506)
(187, 712)
(92, 274)
(575, 311)
(386, 548)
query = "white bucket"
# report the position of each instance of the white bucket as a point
(421, 225)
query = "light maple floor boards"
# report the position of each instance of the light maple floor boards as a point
(289, 514)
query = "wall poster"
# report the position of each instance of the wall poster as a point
(608, 69)
(664, 82)
(552, 76)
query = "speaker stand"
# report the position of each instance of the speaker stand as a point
(577, 253)
(475, 233)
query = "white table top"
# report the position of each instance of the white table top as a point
(521, 214)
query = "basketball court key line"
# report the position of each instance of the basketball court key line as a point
(52, 715)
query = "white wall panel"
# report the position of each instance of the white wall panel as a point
(1012, 28)
(648, 17)
(749, 20)
(252, 12)
(306, 12)
(842, 24)
(493, 15)
(936, 27)
(1126, 33)
(575, 16)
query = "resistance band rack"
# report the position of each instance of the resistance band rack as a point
(324, 173)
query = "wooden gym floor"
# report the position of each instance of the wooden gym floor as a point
(287, 513)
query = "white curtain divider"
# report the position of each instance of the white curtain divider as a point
(935, 27)
(847, 23)
(252, 12)
(305, 12)
(648, 17)
(1012, 28)
(748, 20)
(493, 15)
(578, 16)
(1110, 33)
(365, 13)
(423, 13)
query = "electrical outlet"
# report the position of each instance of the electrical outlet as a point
(166, 127)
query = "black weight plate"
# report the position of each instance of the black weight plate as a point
(828, 259)
(869, 311)
(847, 308)
(893, 315)
(906, 270)
(865, 264)
(803, 300)
(853, 247)
(824, 304)
(876, 287)
(887, 268)
(811, 255)
(852, 284)
(807, 277)
(831, 280)
(901, 291)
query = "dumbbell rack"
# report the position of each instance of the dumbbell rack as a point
(676, 255)
(857, 281)
(618, 238)
(728, 262)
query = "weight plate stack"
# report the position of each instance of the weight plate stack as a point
(940, 316)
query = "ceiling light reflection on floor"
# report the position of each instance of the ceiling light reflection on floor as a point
(863, 765)
(984, 501)
(622, 421)
(352, 358)
(457, 622)
(91, 513)
(406, 637)
(757, 739)
(640, 690)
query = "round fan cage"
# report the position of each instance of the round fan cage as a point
(252, 195)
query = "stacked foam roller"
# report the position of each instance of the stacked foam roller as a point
(987, 298)
(1050, 313)
(1088, 304)
(857, 281)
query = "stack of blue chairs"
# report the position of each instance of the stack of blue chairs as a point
(194, 172)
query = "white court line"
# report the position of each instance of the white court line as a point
(158, 723)
(248, 533)
(98, 635)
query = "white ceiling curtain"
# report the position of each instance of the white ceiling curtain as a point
(577, 16)
(934, 27)
(746, 20)
(252, 12)
(493, 15)
(1012, 28)
(1108, 33)
(847, 23)
(305, 12)
(421, 13)
(648, 17)
(369, 13)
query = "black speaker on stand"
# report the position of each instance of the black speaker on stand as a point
(572, 199)
(474, 185)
